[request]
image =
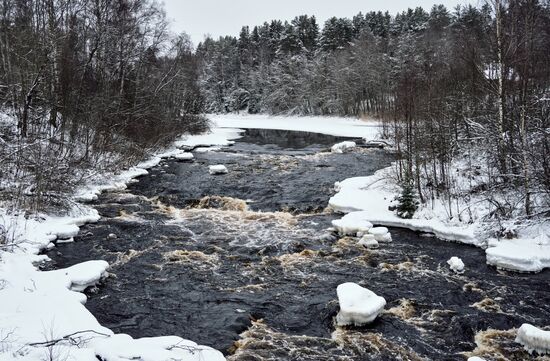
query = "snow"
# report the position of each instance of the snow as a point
(381, 234)
(534, 339)
(351, 224)
(525, 254)
(184, 156)
(475, 358)
(358, 305)
(370, 197)
(456, 264)
(337, 126)
(220, 136)
(369, 241)
(217, 169)
(343, 147)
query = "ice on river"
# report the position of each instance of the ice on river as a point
(358, 305)
(534, 339)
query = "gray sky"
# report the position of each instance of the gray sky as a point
(226, 17)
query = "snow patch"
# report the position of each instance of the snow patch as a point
(529, 254)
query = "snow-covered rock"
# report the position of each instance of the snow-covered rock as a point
(534, 339)
(352, 224)
(456, 264)
(381, 234)
(217, 169)
(358, 305)
(343, 147)
(369, 241)
(184, 156)
(475, 358)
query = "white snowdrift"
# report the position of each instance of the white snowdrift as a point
(523, 254)
(43, 306)
(358, 305)
(456, 264)
(217, 169)
(337, 126)
(534, 339)
(343, 147)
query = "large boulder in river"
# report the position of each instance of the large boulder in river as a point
(358, 305)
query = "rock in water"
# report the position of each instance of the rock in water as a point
(534, 339)
(369, 241)
(217, 169)
(184, 156)
(342, 147)
(456, 264)
(381, 234)
(352, 224)
(358, 305)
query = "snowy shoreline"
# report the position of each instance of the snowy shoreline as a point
(43, 312)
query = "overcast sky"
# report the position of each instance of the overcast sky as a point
(226, 17)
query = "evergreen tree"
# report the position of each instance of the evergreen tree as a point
(407, 204)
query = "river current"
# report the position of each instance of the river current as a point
(247, 263)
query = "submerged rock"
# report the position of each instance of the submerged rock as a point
(358, 305)
(534, 339)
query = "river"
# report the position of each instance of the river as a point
(246, 262)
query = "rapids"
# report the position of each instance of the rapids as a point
(246, 262)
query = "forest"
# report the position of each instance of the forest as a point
(470, 84)
(92, 86)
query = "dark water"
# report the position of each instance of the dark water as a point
(257, 279)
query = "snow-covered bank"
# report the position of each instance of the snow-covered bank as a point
(337, 126)
(369, 199)
(43, 312)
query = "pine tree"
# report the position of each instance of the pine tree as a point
(407, 201)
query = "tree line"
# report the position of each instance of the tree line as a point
(90, 83)
(469, 84)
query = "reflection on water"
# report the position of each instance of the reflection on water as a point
(245, 263)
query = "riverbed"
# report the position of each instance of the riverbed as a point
(246, 262)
